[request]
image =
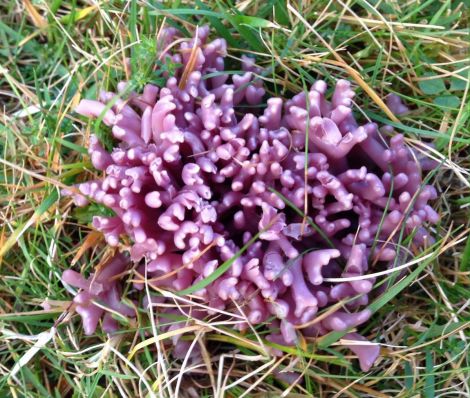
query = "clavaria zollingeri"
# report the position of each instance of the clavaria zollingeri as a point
(202, 167)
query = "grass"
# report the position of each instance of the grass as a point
(52, 53)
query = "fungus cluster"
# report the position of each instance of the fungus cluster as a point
(206, 164)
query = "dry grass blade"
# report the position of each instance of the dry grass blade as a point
(37, 19)
(92, 240)
(191, 63)
(163, 336)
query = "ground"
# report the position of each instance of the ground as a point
(52, 53)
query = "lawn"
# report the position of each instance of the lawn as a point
(54, 53)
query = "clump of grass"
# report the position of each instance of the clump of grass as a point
(53, 53)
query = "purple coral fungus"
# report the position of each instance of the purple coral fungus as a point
(197, 173)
